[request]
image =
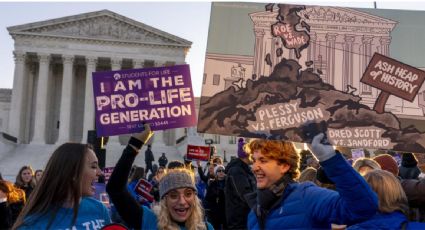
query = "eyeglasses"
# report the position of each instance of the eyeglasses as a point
(175, 195)
(220, 170)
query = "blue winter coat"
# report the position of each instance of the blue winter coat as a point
(387, 221)
(307, 206)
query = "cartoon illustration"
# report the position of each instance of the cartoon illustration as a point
(307, 64)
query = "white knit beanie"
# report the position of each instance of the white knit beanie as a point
(175, 179)
(217, 168)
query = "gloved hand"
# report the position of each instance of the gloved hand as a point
(321, 151)
(145, 135)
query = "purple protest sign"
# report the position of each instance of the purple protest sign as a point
(161, 96)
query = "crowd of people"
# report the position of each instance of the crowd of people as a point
(269, 185)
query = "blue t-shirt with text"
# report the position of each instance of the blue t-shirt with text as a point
(92, 215)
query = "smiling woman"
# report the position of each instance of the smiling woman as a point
(25, 181)
(62, 199)
(180, 207)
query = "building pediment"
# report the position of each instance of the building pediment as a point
(339, 14)
(100, 25)
(329, 15)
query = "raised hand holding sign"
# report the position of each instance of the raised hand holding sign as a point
(138, 139)
(321, 149)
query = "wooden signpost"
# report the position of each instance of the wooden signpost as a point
(392, 78)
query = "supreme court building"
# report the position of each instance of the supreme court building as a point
(52, 97)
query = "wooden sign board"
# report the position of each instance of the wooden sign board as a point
(393, 77)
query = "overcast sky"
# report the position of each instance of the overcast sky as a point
(188, 20)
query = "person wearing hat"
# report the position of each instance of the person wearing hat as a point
(409, 167)
(215, 199)
(387, 163)
(414, 188)
(239, 181)
(180, 207)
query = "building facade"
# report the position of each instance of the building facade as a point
(52, 98)
(5, 97)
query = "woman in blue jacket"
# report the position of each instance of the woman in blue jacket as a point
(393, 205)
(63, 198)
(282, 203)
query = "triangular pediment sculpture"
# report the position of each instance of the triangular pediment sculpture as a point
(331, 14)
(99, 25)
(339, 14)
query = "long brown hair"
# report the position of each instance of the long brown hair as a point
(389, 190)
(60, 183)
(19, 182)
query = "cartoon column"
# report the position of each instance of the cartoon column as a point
(348, 61)
(330, 57)
(385, 45)
(367, 55)
(311, 50)
(258, 52)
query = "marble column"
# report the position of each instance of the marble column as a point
(41, 100)
(18, 99)
(29, 117)
(159, 63)
(115, 65)
(66, 99)
(138, 64)
(88, 98)
(158, 138)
